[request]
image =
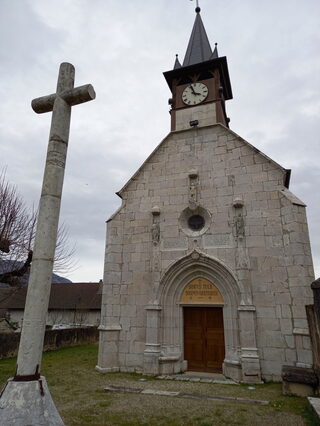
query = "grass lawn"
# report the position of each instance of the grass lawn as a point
(77, 390)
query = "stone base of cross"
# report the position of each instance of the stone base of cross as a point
(26, 399)
(28, 403)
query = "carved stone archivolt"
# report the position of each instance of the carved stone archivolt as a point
(234, 293)
(175, 280)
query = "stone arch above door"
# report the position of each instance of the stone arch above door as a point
(172, 285)
(195, 265)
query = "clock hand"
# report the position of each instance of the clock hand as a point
(193, 91)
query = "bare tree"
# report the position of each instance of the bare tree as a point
(17, 231)
(64, 260)
(14, 219)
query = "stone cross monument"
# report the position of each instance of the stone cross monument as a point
(26, 398)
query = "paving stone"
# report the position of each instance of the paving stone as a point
(159, 392)
(183, 379)
(224, 382)
(254, 401)
(122, 389)
(185, 395)
(315, 404)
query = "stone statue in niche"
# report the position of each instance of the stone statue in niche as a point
(155, 232)
(193, 191)
(193, 188)
(242, 258)
(239, 222)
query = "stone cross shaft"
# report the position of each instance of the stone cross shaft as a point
(34, 320)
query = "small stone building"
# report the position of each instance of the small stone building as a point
(208, 263)
(69, 304)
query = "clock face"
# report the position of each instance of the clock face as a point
(195, 93)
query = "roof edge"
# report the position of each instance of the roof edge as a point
(118, 209)
(287, 172)
(119, 193)
(292, 198)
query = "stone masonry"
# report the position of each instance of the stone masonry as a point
(254, 247)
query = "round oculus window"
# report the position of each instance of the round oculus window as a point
(196, 222)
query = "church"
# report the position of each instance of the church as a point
(208, 263)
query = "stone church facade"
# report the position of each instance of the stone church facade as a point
(208, 264)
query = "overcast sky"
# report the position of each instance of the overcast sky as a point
(122, 47)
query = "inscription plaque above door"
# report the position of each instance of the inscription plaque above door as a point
(201, 290)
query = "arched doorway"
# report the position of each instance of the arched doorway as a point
(171, 303)
(203, 335)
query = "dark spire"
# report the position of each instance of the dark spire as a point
(215, 52)
(176, 63)
(199, 49)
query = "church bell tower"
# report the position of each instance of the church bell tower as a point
(201, 85)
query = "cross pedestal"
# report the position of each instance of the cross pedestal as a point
(26, 399)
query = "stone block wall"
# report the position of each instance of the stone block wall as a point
(261, 241)
(205, 114)
(54, 339)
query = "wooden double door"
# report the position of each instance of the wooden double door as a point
(204, 347)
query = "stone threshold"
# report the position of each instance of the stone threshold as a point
(315, 404)
(120, 389)
(219, 379)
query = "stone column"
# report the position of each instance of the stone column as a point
(153, 348)
(153, 310)
(250, 361)
(109, 349)
(155, 254)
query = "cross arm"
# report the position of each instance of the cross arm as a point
(75, 96)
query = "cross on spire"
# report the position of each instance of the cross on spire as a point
(198, 7)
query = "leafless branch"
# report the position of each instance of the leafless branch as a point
(17, 232)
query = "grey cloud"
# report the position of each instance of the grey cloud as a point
(274, 68)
